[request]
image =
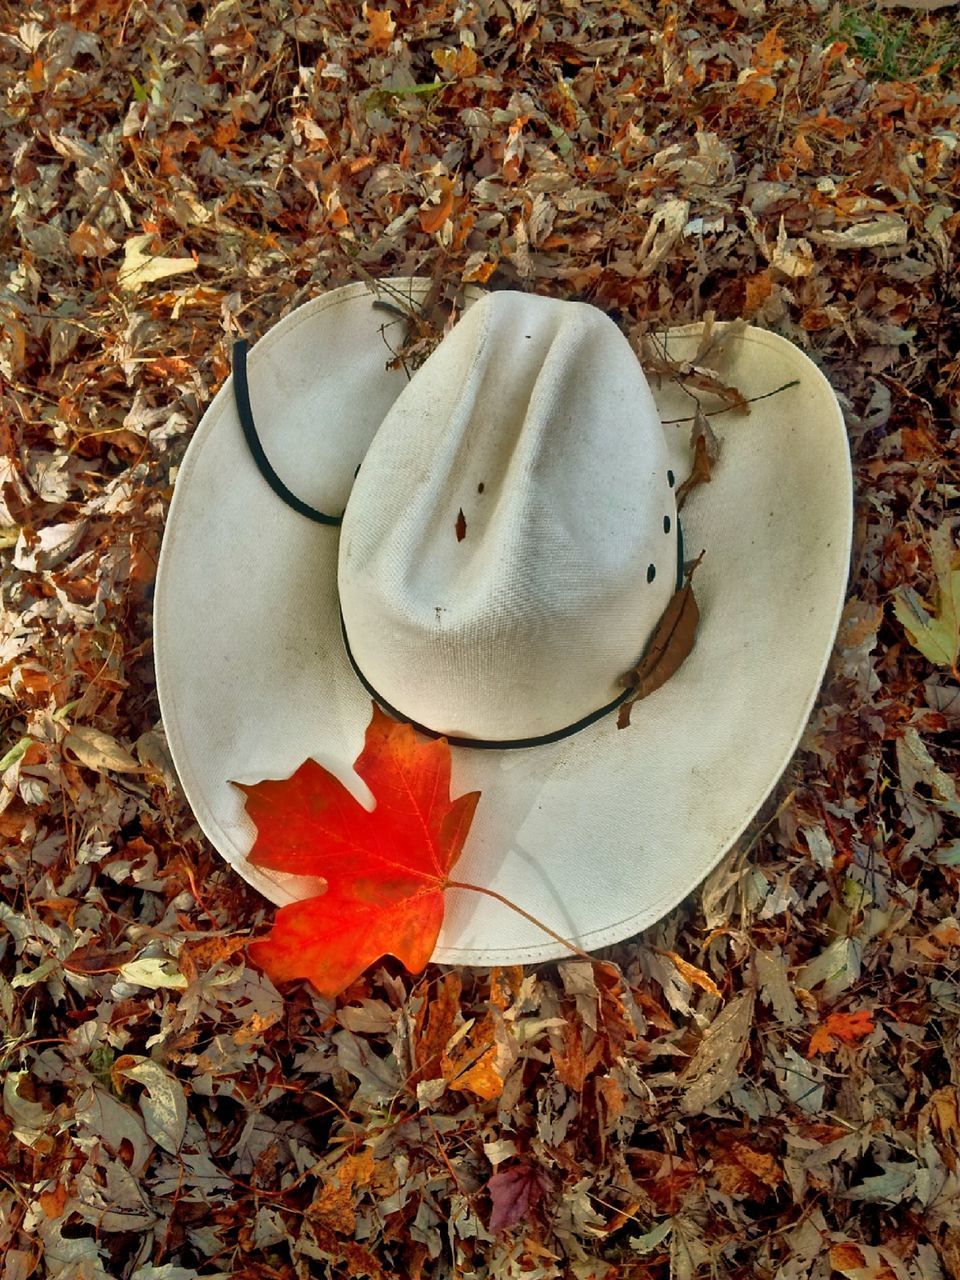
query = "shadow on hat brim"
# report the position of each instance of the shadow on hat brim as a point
(599, 835)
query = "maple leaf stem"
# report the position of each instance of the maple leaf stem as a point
(492, 893)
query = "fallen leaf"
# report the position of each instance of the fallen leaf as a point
(382, 26)
(433, 216)
(756, 290)
(385, 869)
(690, 973)
(100, 751)
(36, 76)
(890, 1187)
(848, 1028)
(669, 647)
(460, 63)
(844, 1257)
(163, 1105)
(461, 525)
(917, 766)
(888, 229)
(47, 547)
(154, 972)
(30, 1118)
(865, 1262)
(770, 53)
(139, 268)
(713, 1068)
(465, 1071)
(90, 241)
(936, 635)
(514, 1193)
(334, 1203)
(53, 1202)
(706, 451)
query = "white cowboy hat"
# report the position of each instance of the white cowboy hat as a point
(509, 544)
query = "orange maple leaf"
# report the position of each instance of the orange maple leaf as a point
(386, 869)
(846, 1027)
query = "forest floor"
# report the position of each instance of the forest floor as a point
(766, 1084)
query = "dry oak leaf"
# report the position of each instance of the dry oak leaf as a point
(386, 868)
(845, 1027)
(669, 647)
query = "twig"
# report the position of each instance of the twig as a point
(712, 413)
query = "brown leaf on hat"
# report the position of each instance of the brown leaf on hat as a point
(706, 451)
(689, 373)
(461, 525)
(668, 649)
(714, 343)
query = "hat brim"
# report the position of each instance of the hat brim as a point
(601, 834)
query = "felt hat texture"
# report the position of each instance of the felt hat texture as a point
(509, 543)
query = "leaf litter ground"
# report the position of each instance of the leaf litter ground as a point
(765, 1085)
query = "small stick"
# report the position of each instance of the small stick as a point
(712, 413)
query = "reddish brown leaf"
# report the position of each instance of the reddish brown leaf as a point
(668, 649)
(433, 216)
(514, 1193)
(53, 1202)
(461, 525)
(756, 290)
(573, 1060)
(385, 870)
(335, 1202)
(436, 1022)
(848, 1028)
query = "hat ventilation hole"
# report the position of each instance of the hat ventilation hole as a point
(651, 572)
(670, 478)
(666, 524)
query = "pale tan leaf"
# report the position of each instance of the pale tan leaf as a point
(713, 1068)
(936, 634)
(139, 268)
(100, 751)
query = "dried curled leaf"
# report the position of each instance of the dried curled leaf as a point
(706, 451)
(668, 649)
(695, 373)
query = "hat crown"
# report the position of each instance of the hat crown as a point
(514, 619)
